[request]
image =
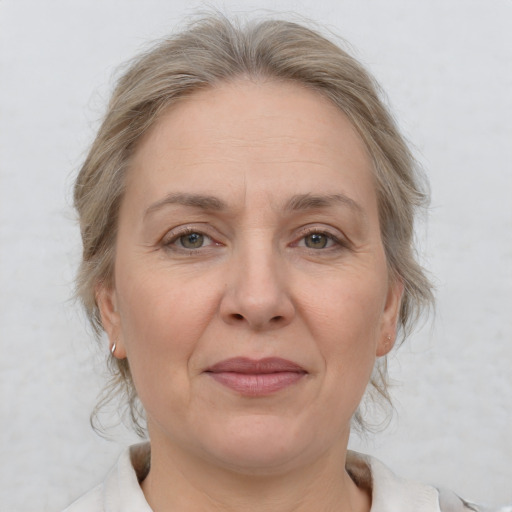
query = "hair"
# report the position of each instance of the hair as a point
(212, 51)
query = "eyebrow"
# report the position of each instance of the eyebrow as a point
(203, 202)
(299, 202)
(303, 202)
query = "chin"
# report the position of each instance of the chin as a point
(260, 445)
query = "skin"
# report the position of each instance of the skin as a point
(284, 163)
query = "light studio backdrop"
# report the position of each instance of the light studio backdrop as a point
(446, 66)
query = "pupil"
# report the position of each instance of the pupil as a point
(192, 241)
(316, 240)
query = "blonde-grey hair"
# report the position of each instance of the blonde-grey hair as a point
(214, 50)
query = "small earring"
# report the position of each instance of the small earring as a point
(389, 337)
(113, 348)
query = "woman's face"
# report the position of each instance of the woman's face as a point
(251, 289)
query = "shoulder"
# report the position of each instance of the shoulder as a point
(450, 502)
(391, 493)
(90, 502)
(120, 491)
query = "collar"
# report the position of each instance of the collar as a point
(122, 491)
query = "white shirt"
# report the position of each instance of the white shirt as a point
(121, 491)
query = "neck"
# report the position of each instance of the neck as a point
(180, 481)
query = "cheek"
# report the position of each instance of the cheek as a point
(345, 319)
(348, 308)
(161, 327)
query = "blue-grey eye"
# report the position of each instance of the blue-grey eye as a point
(192, 240)
(316, 240)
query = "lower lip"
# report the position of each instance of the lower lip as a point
(260, 384)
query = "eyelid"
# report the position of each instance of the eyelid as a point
(173, 235)
(340, 240)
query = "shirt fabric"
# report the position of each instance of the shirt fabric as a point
(121, 491)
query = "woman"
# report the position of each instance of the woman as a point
(247, 216)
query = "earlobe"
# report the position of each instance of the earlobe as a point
(110, 319)
(385, 345)
(390, 318)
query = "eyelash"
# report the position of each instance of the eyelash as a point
(337, 243)
(171, 242)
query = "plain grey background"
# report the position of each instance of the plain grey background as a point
(446, 66)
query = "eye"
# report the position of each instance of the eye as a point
(317, 240)
(193, 240)
(187, 240)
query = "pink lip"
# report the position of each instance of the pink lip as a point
(256, 377)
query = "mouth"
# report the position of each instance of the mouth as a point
(256, 377)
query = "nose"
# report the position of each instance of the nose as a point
(257, 292)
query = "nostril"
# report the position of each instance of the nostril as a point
(238, 316)
(276, 319)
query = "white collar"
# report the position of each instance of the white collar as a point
(121, 491)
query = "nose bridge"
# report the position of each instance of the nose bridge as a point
(257, 293)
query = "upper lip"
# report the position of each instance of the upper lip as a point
(255, 366)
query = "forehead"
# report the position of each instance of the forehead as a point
(247, 133)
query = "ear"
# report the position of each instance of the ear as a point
(110, 318)
(390, 314)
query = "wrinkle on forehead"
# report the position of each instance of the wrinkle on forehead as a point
(256, 124)
(244, 140)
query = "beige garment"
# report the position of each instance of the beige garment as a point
(121, 492)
